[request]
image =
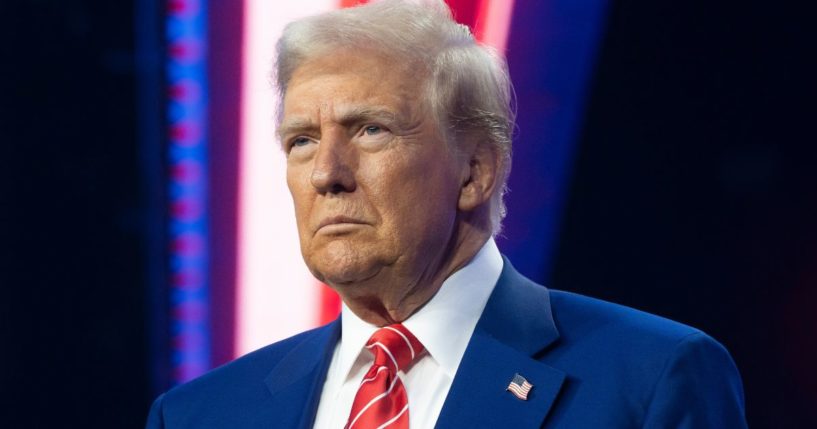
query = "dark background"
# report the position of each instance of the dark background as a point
(73, 310)
(692, 196)
(694, 193)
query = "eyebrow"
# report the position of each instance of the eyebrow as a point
(346, 117)
(358, 114)
(296, 125)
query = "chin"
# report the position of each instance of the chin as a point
(342, 262)
(340, 275)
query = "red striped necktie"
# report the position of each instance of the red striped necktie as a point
(381, 400)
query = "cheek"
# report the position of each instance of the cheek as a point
(300, 189)
(414, 197)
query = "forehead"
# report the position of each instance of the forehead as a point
(352, 80)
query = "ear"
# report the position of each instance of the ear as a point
(479, 177)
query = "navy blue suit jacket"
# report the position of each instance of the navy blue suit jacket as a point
(593, 364)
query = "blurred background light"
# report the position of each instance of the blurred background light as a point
(186, 75)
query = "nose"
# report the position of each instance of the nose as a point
(333, 170)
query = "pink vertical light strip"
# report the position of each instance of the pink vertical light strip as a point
(276, 296)
(494, 22)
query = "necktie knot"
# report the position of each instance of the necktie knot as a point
(381, 399)
(394, 347)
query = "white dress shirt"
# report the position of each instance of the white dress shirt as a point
(444, 326)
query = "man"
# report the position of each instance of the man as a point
(397, 126)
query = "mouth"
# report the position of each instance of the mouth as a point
(338, 222)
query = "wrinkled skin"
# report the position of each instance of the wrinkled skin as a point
(385, 209)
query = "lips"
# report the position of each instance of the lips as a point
(336, 220)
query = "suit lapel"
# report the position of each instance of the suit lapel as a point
(296, 382)
(516, 325)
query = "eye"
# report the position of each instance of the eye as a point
(371, 130)
(372, 136)
(298, 142)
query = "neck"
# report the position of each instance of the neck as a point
(413, 285)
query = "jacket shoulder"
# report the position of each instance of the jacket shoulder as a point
(237, 385)
(581, 315)
(633, 342)
(248, 369)
(650, 364)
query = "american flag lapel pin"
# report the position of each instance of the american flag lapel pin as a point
(520, 387)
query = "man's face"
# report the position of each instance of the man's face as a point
(375, 185)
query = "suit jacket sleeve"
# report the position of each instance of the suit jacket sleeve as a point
(155, 419)
(699, 388)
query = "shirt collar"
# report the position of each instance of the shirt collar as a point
(445, 324)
